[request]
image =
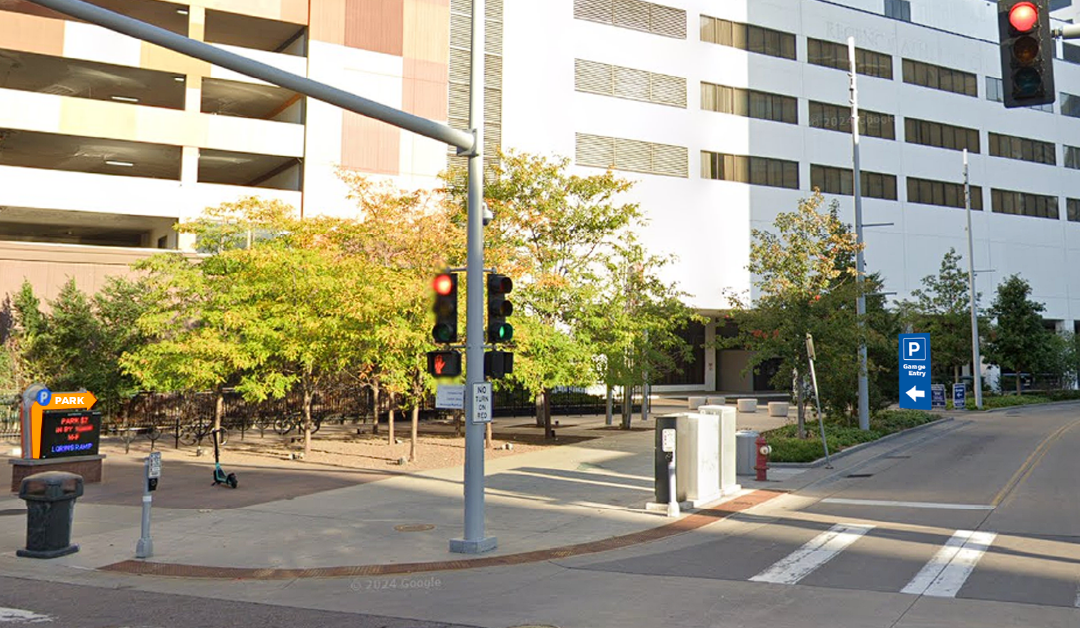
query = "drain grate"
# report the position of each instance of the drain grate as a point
(897, 457)
(860, 475)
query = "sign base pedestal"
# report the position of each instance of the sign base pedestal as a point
(89, 467)
(465, 546)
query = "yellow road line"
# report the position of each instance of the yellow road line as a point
(1030, 463)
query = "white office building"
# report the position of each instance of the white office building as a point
(728, 112)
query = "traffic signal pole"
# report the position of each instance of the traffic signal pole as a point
(468, 143)
(475, 541)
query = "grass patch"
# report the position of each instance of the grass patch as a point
(787, 447)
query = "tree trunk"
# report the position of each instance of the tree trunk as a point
(307, 421)
(609, 418)
(413, 437)
(539, 401)
(487, 435)
(628, 406)
(375, 407)
(1018, 393)
(219, 409)
(549, 433)
(390, 420)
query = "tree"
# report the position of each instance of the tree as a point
(942, 308)
(634, 321)
(808, 257)
(551, 232)
(1017, 341)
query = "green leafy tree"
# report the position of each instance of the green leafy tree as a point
(1017, 341)
(634, 321)
(942, 309)
(552, 231)
(808, 257)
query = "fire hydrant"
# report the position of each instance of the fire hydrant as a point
(763, 451)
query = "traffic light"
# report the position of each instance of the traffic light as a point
(1027, 53)
(444, 363)
(498, 286)
(498, 364)
(446, 308)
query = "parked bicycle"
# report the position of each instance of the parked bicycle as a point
(195, 432)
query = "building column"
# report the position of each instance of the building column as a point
(710, 354)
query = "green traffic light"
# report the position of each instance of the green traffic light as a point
(442, 333)
(504, 332)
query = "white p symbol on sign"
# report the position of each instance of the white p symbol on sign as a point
(913, 347)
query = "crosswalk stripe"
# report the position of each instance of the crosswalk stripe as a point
(948, 570)
(815, 553)
(19, 616)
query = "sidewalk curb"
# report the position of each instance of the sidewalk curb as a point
(856, 448)
(1025, 405)
(690, 522)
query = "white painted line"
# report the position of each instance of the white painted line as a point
(949, 569)
(883, 502)
(815, 553)
(19, 616)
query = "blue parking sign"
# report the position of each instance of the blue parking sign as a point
(915, 371)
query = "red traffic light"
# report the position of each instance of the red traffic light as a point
(443, 284)
(1023, 16)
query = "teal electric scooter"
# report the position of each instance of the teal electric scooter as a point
(219, 474)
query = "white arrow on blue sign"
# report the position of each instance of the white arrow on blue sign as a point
(915, 371)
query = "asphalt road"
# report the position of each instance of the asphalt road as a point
(974, 524)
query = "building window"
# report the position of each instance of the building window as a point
(898, 10)
(1023, 204)
(652, 18)
(777, 173)
(833, 55)
(838, 118)
(749, 103)
(943, 193)
(1022, 148)
(620, 82)
(831, 180)
(1070, 105)
(940, 135)
(1072, 157)
(1072, 209)
(632, 155)
(937, 77)
(996, 92)
(1070, 52)
(748, 37)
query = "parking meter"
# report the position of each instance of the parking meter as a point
(145, 547)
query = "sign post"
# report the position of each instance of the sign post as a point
(915, 372)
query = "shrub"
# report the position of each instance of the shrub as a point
(787, 447)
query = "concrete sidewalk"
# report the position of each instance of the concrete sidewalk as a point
(570, 494)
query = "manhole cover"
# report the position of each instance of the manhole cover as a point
(12, 512)
(414, 527)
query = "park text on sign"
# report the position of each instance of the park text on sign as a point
(481, 403)
(915, 392)
(70, 433)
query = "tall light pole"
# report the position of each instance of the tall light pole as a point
(860, 264)
(976, 360)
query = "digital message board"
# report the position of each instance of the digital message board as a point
(67, 433)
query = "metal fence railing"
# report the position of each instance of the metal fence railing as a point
(9, 415)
